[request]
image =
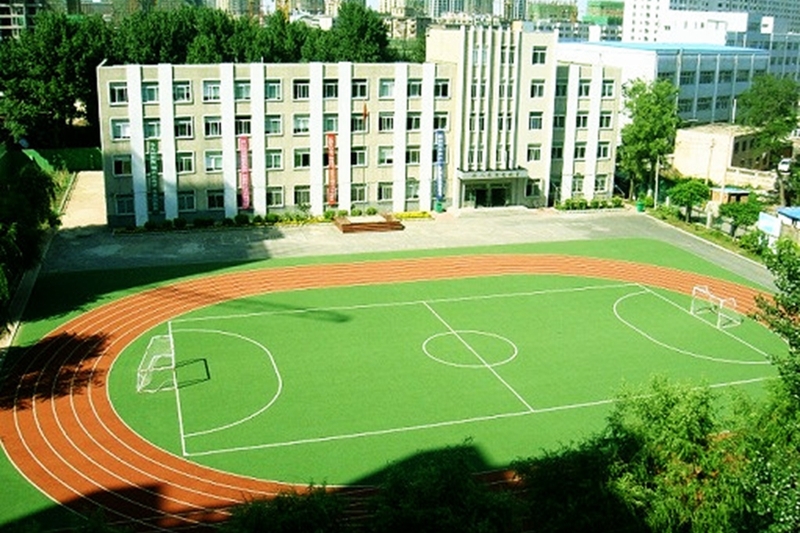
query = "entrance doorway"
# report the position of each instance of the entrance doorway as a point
(488, 194)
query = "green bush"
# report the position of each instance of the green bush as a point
(341, 213)
(242, 219)
(272, 218)
(372, 210)
(258, 220)
(167, 225)
(151, 226)
(228, 222)
(617, 201)
(180, 223)
(203, 222)
(329, 214)
(356, 212)
(667, 212)
(755, 242)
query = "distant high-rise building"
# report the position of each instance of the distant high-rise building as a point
(17, 15)
(605, 12)
(555, 10)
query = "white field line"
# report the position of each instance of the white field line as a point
(447, 423)
(178, 408)
(476, 354)
(726, 332)
(408, 303)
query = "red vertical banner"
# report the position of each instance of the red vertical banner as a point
(330, 142)
(244, 170)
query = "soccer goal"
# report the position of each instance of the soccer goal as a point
(722, 310)
(156, 370)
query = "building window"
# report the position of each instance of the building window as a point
(120, 129)
(535, 120)
(440, 121)
(215, 199)
(182, 92)
(300, 124)
(412, 189)
(358, 156)
(212, 126)
(118, 93)
(213, 160)
(149, 93)
(477, 122)
(704, 104)
(584, 88)
(358, 192)
(274, 196)
(152, 128)
(722, 103)
(414, 88)
(386, 88)
(557, 152)
(302, 195)
(184, 127)
(211, 91)
(441, 89)
(504, 122)
(582, 120)
(330, 123)
(122, 165)
(385, 155)
(412, 155)
(707, 76)
(241, 90)
(330, 88)
(385, 121)
(274, 159)
(605, 120)
(358, 123)
(534, 152)
(505, 90)
(666, 76)
(601, 183)
(725, 76)
(300, 89)
(608, 89)
(539, 55)
(326, 158)
(273, 125)
(577, 185)
(603, 151)
(413, 121)
(559, 121)
(478, 89)
(687, 77)
(533, 188)
(360, 89)
(384, 191)
(184, 162)
(580, 151)
(685, 105)
(561, 89)
(272, 90)
(742, 75)
(186, 201)
(537, 88)
(124, 204)
(302, 158)
(242, 125)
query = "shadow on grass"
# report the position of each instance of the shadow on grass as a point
(53, 367)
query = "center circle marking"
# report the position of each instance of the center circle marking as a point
(466, 333)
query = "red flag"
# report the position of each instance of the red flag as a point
(365, 113)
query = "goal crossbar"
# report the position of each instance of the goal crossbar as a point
(723, 309)
(156, 369)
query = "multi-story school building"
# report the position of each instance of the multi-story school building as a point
(491, 119)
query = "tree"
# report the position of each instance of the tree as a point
(771, 106)
(317, 511)
(650, 134)
(741, 214)
(359, 35)
(689, 193)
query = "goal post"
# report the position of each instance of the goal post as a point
(156, 371)
(723, 310)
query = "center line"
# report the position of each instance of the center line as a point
(481, 359)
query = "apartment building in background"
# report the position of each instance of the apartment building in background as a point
(17, 15)
(491, 119)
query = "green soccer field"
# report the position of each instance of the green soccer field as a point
(329, 385)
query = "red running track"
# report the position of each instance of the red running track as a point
(61, 431)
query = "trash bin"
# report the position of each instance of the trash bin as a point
(438, 207)
(640, 206)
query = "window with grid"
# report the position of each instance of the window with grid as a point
(242, 125)
(120, 129)
(122, 165)
(535, 120)
(539, 55)
(557, 152)
(561, 89)
(743, 75)
(330, 123)
(601, 183)
(412, 155)
(272, 90)
(358, 124)
(478, 89)
(330, 88)
(603, 150)
(412, 189)
(211, 91)
(300, 124)
(326, 158)
(212, 126)
(118, 93)
(152, 128)
(186, 201)
(704, 104)
(584, 88)
(302, 158)
(414, 88)
(533, 188)
(440, 121)
(182, 92)
(385, 155)
(184, 162)
(534, 152)
(215, 199)
(685, 105)
(537, 88)
(582, 120)
(580, 151)
(441, 88)
(273, 125)
(725, 76)
(605, 120)
(358, 156)
(273, 159)
(149, 93)
(241, 90)
(385, 121)
(707, 76)
(384, 191)
(687, 77)
(608, 89)
(559, 121)
(302, 195)
(577, 184)
(722, 103)
(184, 127)
(124, 204)
(385, 88)
(359, 88)
(274, 196)
(413, 121)
(358, 192)
(300, 89)
(213, 161)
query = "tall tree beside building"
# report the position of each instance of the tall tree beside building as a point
(359, 35)
(650, 134)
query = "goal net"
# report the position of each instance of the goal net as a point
(721, 310)
(156, 370)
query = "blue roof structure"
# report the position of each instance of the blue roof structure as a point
(790, 212)
(680, 47)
